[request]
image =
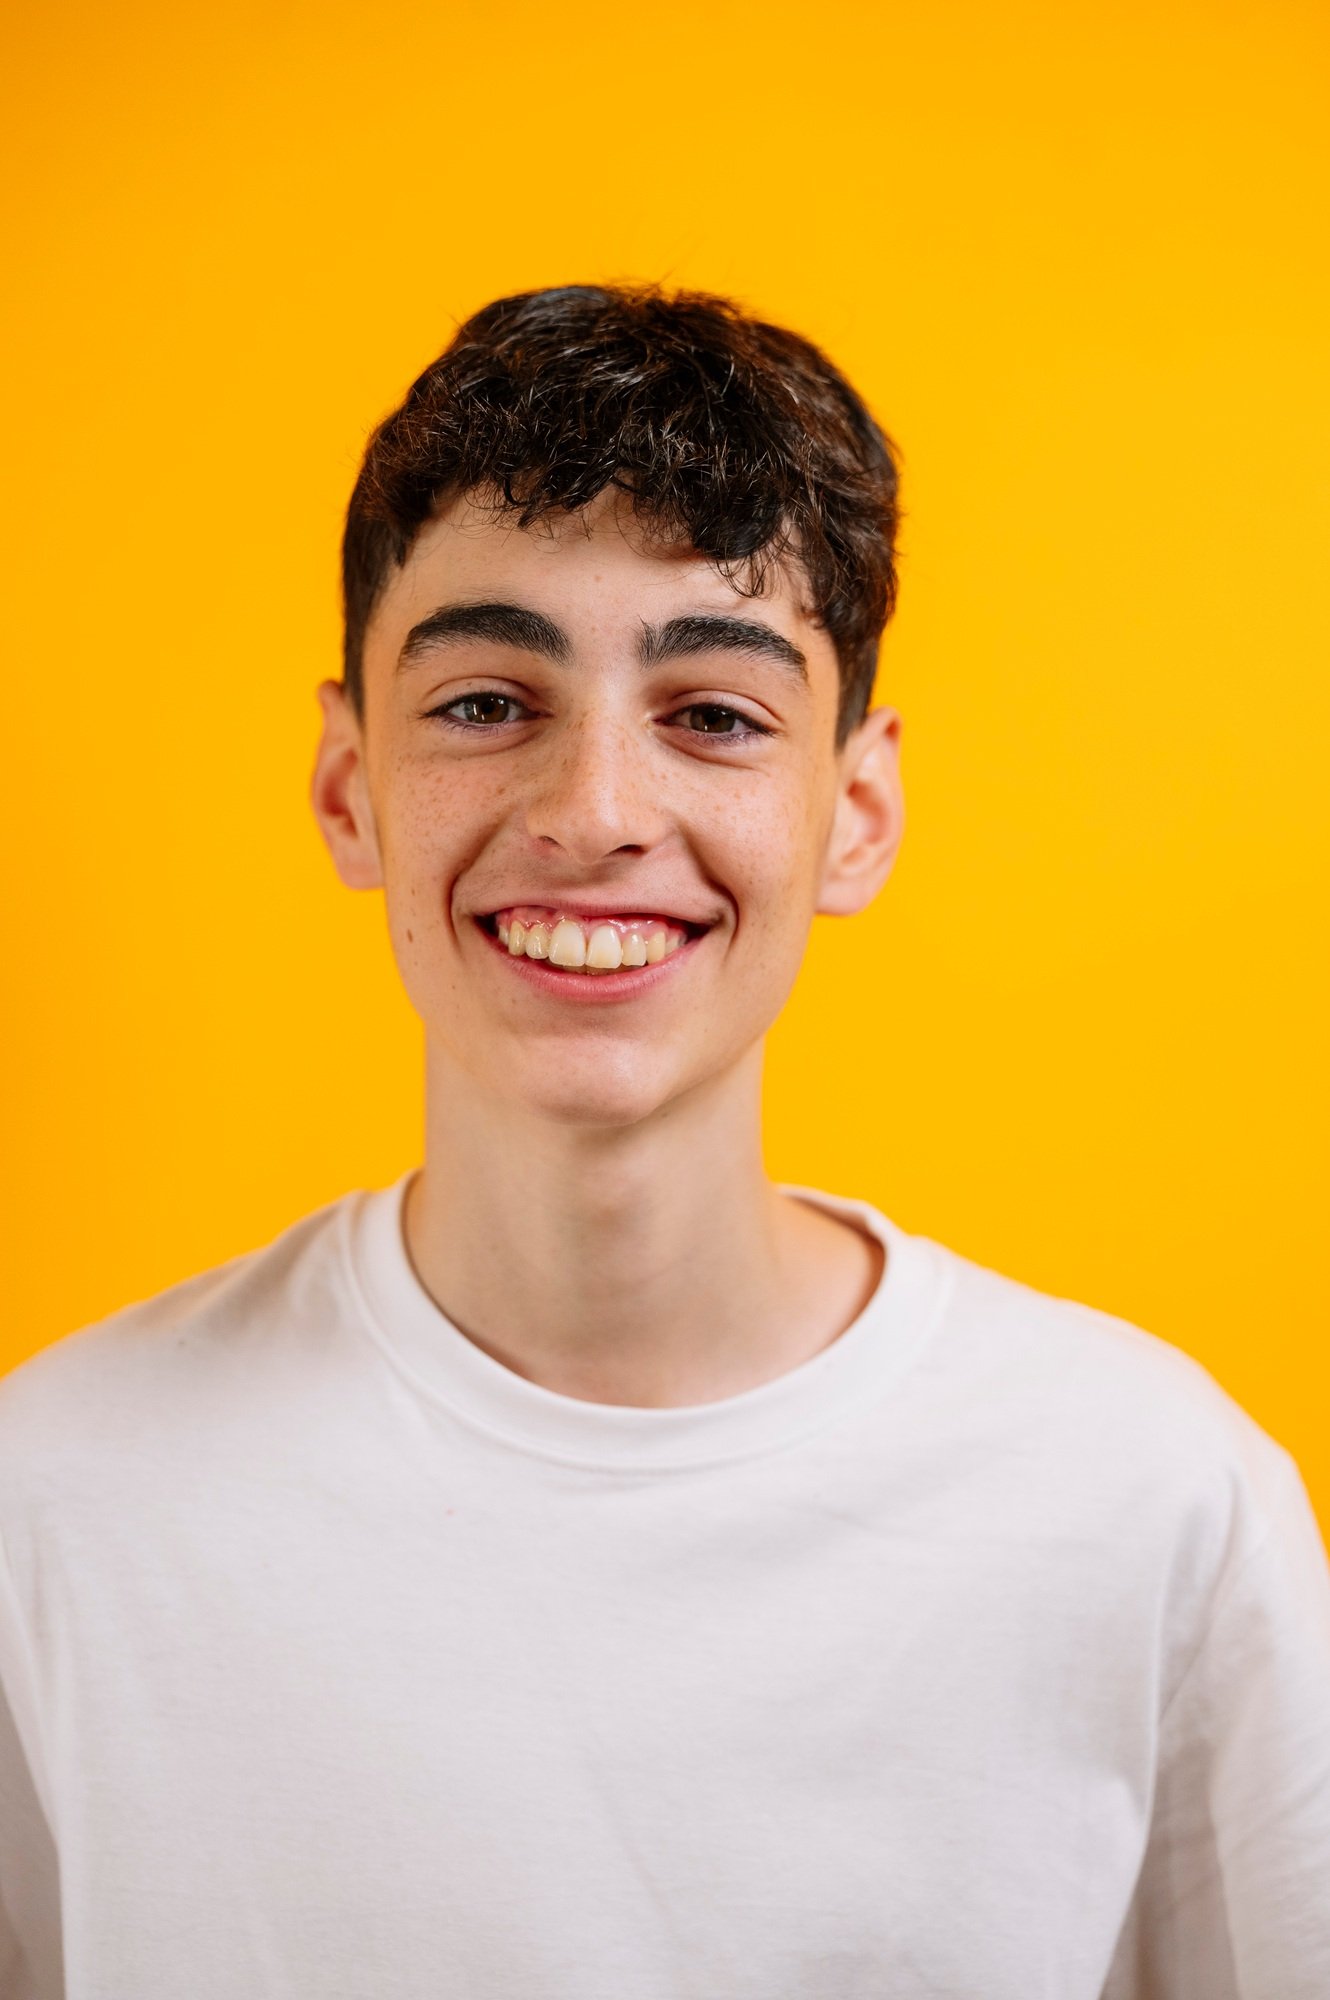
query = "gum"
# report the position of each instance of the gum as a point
(528, 914)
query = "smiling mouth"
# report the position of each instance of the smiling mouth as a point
(588, 945)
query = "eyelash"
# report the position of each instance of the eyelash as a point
(749, 730)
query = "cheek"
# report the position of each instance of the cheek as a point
(773, 880)
(779, 845)
(429, 826)
(417, 844)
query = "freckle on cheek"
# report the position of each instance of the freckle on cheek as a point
(410, 938)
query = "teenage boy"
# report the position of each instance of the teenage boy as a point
(585, 1570)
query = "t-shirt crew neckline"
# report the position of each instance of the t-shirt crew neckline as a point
(425, 1346)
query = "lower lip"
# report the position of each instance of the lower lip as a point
(591, 988)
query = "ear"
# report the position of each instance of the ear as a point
(339, 792)
(869, 819)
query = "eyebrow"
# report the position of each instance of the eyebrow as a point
(532, 632)
(716, 632)
(500, 624)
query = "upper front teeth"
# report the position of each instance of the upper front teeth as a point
(600, 945)
(569, 943)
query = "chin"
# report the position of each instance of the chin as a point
(591, 1093)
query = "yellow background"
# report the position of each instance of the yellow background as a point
(1074, 255)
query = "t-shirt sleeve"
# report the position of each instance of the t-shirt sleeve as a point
(1233, 1898)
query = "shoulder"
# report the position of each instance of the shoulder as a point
(161, 1362)
(1108, 1407)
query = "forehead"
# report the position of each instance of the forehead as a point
(599, 574)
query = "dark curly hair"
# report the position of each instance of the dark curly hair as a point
(738, 438)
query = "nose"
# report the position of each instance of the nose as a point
(596, 794)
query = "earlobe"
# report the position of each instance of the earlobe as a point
(339, 792)
(870, 816)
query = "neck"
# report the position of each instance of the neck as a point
(652, 1265)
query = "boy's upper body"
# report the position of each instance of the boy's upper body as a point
(585, 1568)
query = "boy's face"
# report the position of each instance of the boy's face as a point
(604, 772)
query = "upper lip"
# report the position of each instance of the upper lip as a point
(591, 906)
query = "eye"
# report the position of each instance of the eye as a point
(479, 708)
(712, 719)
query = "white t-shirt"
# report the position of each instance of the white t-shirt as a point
(985, 1655)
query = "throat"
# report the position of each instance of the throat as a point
(643, 1264)
(622, 1292)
